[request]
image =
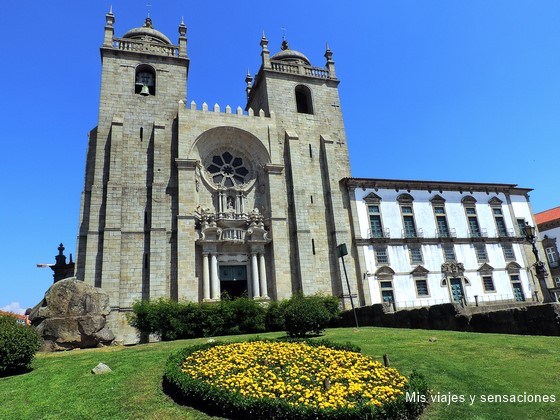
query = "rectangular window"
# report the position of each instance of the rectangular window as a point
(509, 255)
(474, 229)
(521, 226)
(557, 281)
(551, 255)
(415, 255)
(449, 253)
(381, 256)
(387, 296)
(387, 291)
(406, 209)
(488, 284)
(443, 229)
(439, 210)
(422, 287)
(500, 223)
(375, 222)
(481, 254)
(409, 227)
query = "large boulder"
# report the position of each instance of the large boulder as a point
(72, 315)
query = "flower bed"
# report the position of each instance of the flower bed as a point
(303, 379)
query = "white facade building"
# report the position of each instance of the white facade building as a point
(422, 243)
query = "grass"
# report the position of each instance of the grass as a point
(468, 364)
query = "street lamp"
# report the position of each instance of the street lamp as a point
(531, 237)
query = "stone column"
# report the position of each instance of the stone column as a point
(255, 275)
(262, 276)
(214, 277)
(205, 277)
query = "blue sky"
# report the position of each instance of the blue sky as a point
(430, 90)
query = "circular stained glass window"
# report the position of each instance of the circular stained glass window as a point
(227, 170)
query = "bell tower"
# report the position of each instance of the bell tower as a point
(305, 101)
(126, 230)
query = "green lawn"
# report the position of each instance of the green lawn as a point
(61, 385)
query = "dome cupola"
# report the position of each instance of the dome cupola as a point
(147, 33)
(290, 56)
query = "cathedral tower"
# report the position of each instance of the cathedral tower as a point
(310, 130)
(126, 224)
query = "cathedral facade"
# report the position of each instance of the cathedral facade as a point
(188, 202)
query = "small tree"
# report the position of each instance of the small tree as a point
(303, 316)
(18, 345)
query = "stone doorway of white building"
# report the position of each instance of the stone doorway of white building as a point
(457, 293)
(233, 280)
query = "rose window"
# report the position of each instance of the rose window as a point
(227, 170)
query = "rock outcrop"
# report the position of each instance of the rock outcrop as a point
(72, 315)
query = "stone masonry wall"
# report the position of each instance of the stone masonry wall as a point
(529, 320)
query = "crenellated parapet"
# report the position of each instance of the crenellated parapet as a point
(227, 110)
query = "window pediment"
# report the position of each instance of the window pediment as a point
(495, 201)
(420, 271)
(513, 268)
(469, 199)
(405, 198)
(372, 198)
(437, 200)
(485, 268)
(385, 271)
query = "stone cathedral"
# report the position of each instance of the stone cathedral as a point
(189, 202)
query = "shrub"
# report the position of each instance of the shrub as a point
(274, 318)
(255, 380)
(168, 319)
(303, 316)
(248, 315)
(172, 320)
(18, 345)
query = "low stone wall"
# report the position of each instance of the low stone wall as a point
(528, 320)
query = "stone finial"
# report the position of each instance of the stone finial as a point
(249, 82)
(330, 62)
(109, 29)
(182, 39)
(284, 45)
(265, 53)
(193, 105)
(239, 111)
(216, 107)
(228, 109)
(204, 106)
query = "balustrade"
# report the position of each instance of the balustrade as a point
(129, 45)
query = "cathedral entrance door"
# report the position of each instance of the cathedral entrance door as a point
(233, 280)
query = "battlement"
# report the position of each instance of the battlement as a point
(228, 110)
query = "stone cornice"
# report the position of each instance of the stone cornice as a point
(439, 186)
(186, 163)
(435, 241)
(273, 168)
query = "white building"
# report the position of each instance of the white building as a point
(422, 243)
